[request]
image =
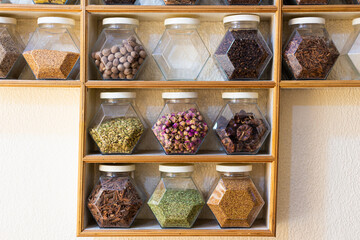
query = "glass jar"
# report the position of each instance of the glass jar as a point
(11, 47)
(117, 126)
(118, 53)
(53, 49)
(180, 127)
(240, 126)
(181, 53)
(243, 53)
(181, 2)
(60, 2)
(235, 201)
(116, 199)
(309, 53)
(176, 201)
(243, 2)
(352, 47)
(119, 2)
(308, 2)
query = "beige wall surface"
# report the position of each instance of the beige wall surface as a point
(319, 165)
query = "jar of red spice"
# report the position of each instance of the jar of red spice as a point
(235, 200)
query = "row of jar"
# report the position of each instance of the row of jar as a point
(180, 128)
(176, 202)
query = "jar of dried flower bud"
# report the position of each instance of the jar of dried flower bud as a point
(242, 2)
(176, 201)
(11, 47)
(351, 49)
(180, 127)
(309, 54)
(235, 200)
(240, 126)
(118, 52)
(243, 53)
(116, 199)
(181, 54)
(53, 49)
(117, 126)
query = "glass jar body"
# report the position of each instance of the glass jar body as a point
(180, 127)
(58, 2)
(309, 54)
(352, 49)
(181, 53)
(11, 61)
(242, 2)
(53, 52)
(243, 53)
(118, 53)
(116, 200)
(241, 127)
(176, 201)
(119, 2)
(181, 2)
(235, 200)
(117, 127)
(309, 2)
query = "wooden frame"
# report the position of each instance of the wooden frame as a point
(85, 160)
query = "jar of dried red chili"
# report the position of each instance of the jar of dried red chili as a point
(116, 199)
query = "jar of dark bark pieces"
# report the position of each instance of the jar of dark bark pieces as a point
(351, 50)
(52, 52)
(11, 47)
(180, 127)
(118, 126)
(240, 126)
(309, 54)
(181, 2)
(116, 199)
(118, 53)
(181, 53)
(235, 200)
(243, 53)
(119, 2)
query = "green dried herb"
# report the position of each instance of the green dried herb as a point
(118, 135)
(176, 207)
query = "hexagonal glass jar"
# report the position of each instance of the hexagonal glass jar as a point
(309, 54)
(240, 126)
(11, 48)
(53, 50)
(308, 2)
(243, 53)
(118, 52)
(176, 201)
(181, 2)
(242, 2)
(352, 47)
(117, 127)
(119, 2)
(58, 2)
(181, 53)
(235, 200)
(180, 127)
(116, 199)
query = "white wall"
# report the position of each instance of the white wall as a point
(319, 165)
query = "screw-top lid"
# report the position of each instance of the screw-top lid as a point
(176, 168)
(117, 168)
(179, 95)
(120, 20)
(182, 21)
(233, 167)
(57, 20)
(356, 21)
(307, 20)
(239, 95)
(117, 95)
(7, 20)
(241, 18)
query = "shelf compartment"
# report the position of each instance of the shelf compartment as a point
(320, 8)
(8, 7)
(180, 84)
(40, 83)
(319, 83)
(150, 227)
(159, 156)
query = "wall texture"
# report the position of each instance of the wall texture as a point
(319, 165)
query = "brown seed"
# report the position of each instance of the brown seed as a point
(122, 75)
(121, 67)
(104, 60)
(135, 65)
(114, 49)
(98, 55)
(137, 48)
(123, 59)
(129, 48)
(134, 54)
(105, 76)
(127, 71)
(134, 71)
(130, 59)
(116, 62)
(123, 50)
(111, 57)
(132, 39)
(114, 70)
(108, 72)
(129, 76)
(108, 65)
(97, 62)
(127, 65)
(142, 54)
(141, 60)
(114, 76)
(118, 55)
(106, 52)
(93, 55)
(102, 66)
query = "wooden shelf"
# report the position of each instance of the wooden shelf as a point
(40, 83)
(320, 83)
(202, 227)
(159, 156)
(40, 8)
(320, 8)
(180, 84)
(180, 9)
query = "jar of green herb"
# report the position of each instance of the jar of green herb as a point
(176, 201)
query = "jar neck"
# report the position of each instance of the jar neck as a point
(116, 101)
(181, 26)
(186, 100)
(121, 26)
(117, 174)
(242, 25)
(243, 100)
(55, 25)
(309, 25)
(9, 26)
(173, 175)
(236, 174)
